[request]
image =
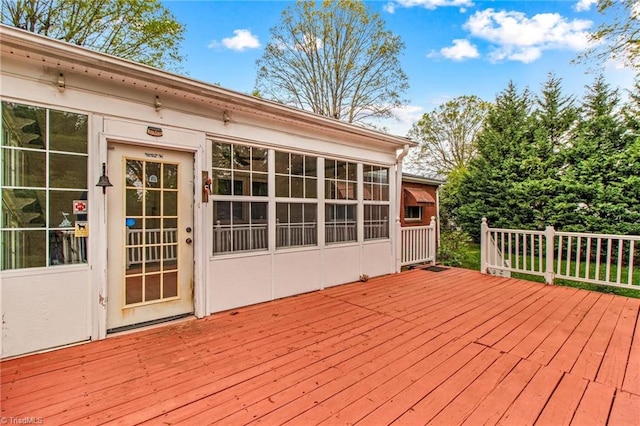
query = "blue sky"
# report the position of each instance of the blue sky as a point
(452, 47)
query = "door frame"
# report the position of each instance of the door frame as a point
(99, 247)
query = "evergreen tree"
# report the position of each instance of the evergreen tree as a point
(488, 187)
(553, 120)
(601, 183)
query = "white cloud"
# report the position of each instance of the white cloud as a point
(584, 5)
(460, 50)
(516, 37)
(242, 40)
(427, 4)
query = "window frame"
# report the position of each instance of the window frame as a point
(73, 250)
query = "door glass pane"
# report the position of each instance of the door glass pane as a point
(133, 173)
(170, 176)
(152, 207)
(134, 202)
(153, 233)
(152, 175)
(170, 284)
(170, 203)
(152, 287)
(133, 290)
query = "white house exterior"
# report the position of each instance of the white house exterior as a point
(219, 199)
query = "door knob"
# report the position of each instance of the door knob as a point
(189, 240)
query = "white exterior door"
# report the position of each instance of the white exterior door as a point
(150, 235)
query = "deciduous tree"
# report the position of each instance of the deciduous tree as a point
(334, 58)
(140, 30)
(447, 136)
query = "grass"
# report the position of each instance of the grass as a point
(470, 259)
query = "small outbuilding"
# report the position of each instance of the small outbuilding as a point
(131, 196)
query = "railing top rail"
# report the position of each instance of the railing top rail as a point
(416, 228)
(516, 231)
(591, 235)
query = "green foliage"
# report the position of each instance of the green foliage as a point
(454, 245)
(334, 58)
(447, 135)
(543, 161)
(140, 30)
(618, 37)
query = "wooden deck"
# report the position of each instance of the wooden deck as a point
(445, 348)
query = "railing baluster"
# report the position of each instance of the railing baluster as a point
(588, 263)
(540, 253)
(598, 248)
(569, 250)
(517, 238)
(619, 271)
(631, 256)
(608, 273)
(559, 261)
(578, 245)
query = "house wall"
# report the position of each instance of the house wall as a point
(51, 306)
(428, 210)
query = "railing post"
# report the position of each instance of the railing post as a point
(550, 235)
(432, 239)
(484, 228)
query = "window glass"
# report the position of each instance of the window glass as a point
(340, 180)
(68, 132)
(239, 226)
(376, 221)
(44, 169)
(296, 224)
(413, 212)
(376, 183)
(341, 224)
(24, 126)
(296, 175)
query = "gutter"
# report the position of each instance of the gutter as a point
(399, 157)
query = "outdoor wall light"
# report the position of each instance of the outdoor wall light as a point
(104, 179)
(157, 104)
(226, 117)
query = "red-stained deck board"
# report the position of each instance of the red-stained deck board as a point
(590, 359)
(392, 409)
(527, 407)
(469, 399)
(303, 376)
(538, 327)
(429, 406)
(595, 405)
(626, 409)
(564, 401)
(494, 305)
(545, 352)
(613, 367)
(534, 309)
(498, 401)
(218, 375)
(415, 364)
(632, 375)
(448, 348)
(566, 356)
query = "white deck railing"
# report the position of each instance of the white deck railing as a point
(584, 257)
(418, 244)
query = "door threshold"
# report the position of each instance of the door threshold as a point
(149, 324)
